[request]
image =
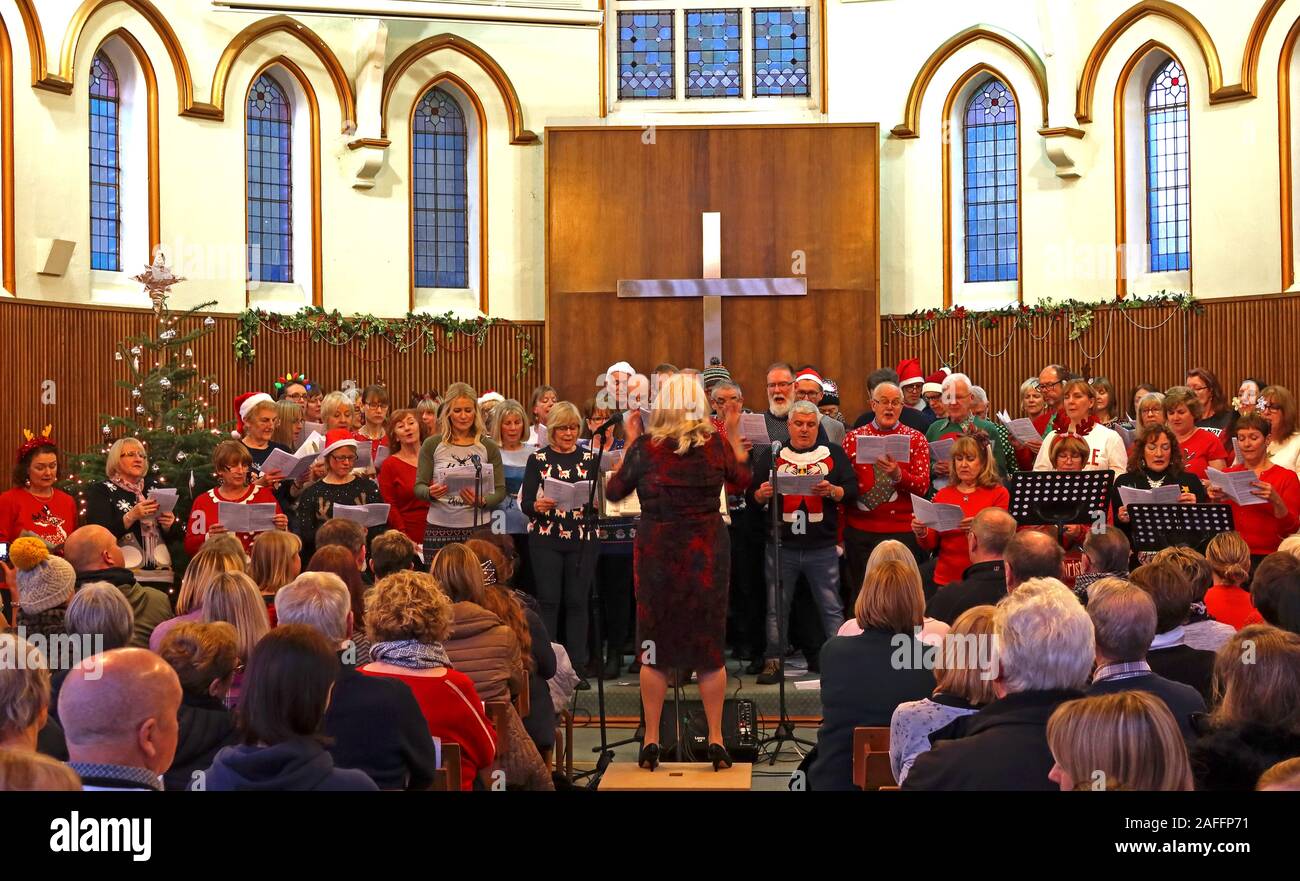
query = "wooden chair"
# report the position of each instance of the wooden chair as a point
(871, 770)
(564, 745)
(498, 713)
(447, 778)
(521, 701)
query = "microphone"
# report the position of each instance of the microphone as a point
(478, 462)
(616, 419)
(776, 448)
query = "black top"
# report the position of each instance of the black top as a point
(982, 584)
(561, 530)
(1143, 480)
(316, 505)
(540, 722)
(1232, 759)
(819, 527)
(1221, 425)
(206, 726)
(862, 684)
(377, 727)
(284, 492)
(1187, 665)
(107, 503)
(1183, 700)
(297, 765)
(1004, 748)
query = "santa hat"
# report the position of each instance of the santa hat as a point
(335, 438)
(909, 372)
(244, 405)
(490, 395)
(809, 373)
(934, 382)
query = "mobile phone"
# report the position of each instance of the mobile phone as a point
(4, 552)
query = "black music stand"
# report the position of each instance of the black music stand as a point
(1156, 527)
(1060, 498)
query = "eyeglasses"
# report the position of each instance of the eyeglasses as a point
(813, 395)
(1272, 408)
(376, 405)
(891, 403)
(779, 385)
(1043, 385)
(298, 398)
(347, 460)
(1199, 388)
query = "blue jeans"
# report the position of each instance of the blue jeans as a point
(821, 566)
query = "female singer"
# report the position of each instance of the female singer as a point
(121, 504)
(232, 463)
(1262, 526)
(1200, 447)
(975, 486)
(1078, 418)
(682, 555)
(1157, 459)
(406, 433)
(509, 428)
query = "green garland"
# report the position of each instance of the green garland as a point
(403, 334)
(1078, 313)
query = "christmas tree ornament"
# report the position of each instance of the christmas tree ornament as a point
(135, 392)
(117, 356)
(214, 388)
(158, 281)
(135, 350)
(165, 382)
(139, 408)
(209, 321)
(106, 430)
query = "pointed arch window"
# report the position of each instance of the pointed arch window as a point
(270, 182)
(991, 184)
(1168, 183)
(105, 166)
(441, 197)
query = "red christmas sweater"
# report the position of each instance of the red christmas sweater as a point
(894, 514)
(52, 519)
(954, 556)
(205, 514)
(1262, 531)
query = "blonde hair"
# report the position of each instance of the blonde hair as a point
(455, 392)
(959, 669)
(115, 454)
(509, 407)
(32, 772)
(201, 653)
(235, 599)
(891, 599)
(1229, 558)
(274, 554)
(1257, 679)
(680, 413)
(407, 605)
(220, 553)
(459, 572)
(1123, 741)
(330, 404)
(969, 446)
(1290, 545)
(287, 416)
(1285, 776)
(24, 685)
(563, 413)
(1199, 574)
(890, 549)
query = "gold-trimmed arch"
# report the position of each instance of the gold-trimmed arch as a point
(1219, 93)
(309, 38)
(949, 103)
(1284, 140)
(313, 108)
(1255, 45)
(519, 135)
(468, 91)
(911, 125)
(151, 109)
(36, 51)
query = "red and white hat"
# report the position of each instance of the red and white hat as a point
(934, 382)
(809, 373)
(909, 372)
(244, 405)
(490, 395)
(337, 437)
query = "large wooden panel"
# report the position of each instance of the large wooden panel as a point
(73, 346)
(792, 198)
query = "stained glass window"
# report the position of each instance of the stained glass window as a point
(713, 53)
(1169, 191)
(105, 167)
(990, 184)
(645, 54)
(781, 51)
(270, 182)
(441, 145)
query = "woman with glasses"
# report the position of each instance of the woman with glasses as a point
(1263, 526)
(1137, 396)
(1216, 416)
(121, 504)
(1150, 410)
(617, 536)
(375, 404)
(1278, 407)
(339, 486)
(1201, 448)
(232, 463)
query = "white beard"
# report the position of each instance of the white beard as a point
(780, 411)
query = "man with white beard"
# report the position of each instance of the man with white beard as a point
(780, 397)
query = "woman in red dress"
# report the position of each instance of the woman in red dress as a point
(1262, 526)
(406, 434)
(975, 486)
(34, 505)
(232, 462)
(682, 554)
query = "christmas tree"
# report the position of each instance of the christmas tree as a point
(169, 410)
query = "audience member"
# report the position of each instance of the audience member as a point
(24, 694)
(1106, 553)
(223, 553)
(1031, 555)
(1201, 631)
(276, 560)
(984, 581)
(22, 771)
(1169, 655)
(95, 555)
(392, 551)
(1126, 741)
(45, 586)
(1229, 599)
(233, 598)
(205, 657)
(100, 611)
(345, 534)
(337, 560)
(932, 629)
(1282, 777)
(1276, 577)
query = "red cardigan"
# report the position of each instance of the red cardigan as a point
(894, 515)
(954, 556)
(53, 519)
(1231, 605)
(454, 712)
(397, 487)
(1262, 531)
(204, 514)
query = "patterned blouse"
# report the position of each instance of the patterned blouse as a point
(561, 529)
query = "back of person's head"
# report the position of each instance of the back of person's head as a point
(1124, 741)
(23, 771)
(1044, 638)
(390, 552)
(220, 553)
(1196, 569)
(1031, 554)
(337, 560)
(1290, 545)
(1123, 619)
(24, 688)
(87, 546)
(1257, 679)
(317, 599)
(408, 606)
(119, 708)
(891, 599)
(346, 533)
(965, 666)
(100, 609)
(276, 560)
(501, 558)
(459, 573)
(1170, 590)
(1282, 777)
(1229, 559)
(204, 656)
(235, 599)
(992, 530)
(1107, 549)
(1277, 575)
(891, 549)
(286, 687)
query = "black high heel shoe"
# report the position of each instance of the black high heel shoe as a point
(719, 756)
(649, 757)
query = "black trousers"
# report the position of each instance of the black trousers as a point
(563, 598)
(614, 576)
(747, 605)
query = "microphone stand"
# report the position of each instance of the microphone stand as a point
(784, 732)
(478, 489)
